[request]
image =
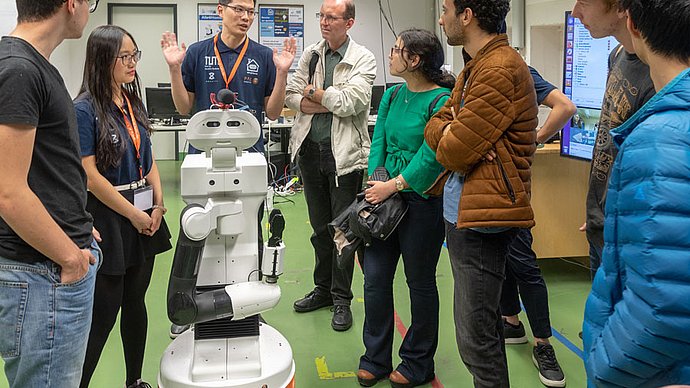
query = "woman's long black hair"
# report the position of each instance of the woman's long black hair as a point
(427, 46)
(102, 50)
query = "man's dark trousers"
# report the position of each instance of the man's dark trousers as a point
(523, 271)
(478, 261)
(327, 196)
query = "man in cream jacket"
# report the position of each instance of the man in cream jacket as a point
(330, 142)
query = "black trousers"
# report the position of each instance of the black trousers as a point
(523, 273)
(112, 293)
(327, 196)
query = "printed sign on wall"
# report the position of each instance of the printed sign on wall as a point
(208, 21)
(277, 22)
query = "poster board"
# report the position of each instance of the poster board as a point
(277, 22)
(209, 23)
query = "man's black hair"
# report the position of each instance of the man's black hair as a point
(663, 24)
(37, 10)
(489, 13)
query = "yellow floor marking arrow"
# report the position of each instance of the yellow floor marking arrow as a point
(324, 374)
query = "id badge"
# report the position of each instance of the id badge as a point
(143, 198)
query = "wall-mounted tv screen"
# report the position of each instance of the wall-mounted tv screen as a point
(585, 69)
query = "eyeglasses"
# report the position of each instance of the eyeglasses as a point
(128, 59)
(398, 50)
(241, 11)
(93, 4)
(328, 18)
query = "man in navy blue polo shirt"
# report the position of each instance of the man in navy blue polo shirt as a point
(208, 66)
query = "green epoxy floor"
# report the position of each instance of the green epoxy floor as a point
(317, 347)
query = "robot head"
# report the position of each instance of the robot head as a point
(229, 128)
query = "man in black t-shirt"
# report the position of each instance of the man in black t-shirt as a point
(628, 87)
(48, 258)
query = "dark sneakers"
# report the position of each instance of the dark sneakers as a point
(312, 301)
(550, 372)
(514, 334)
(342, 318)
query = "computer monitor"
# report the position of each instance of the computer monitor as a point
(585, 70)
(376, 94)
(391, 84)
(160, 105)
(164, 84)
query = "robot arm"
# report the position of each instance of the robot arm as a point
(186, 305)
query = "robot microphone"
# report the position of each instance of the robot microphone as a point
(226, 97)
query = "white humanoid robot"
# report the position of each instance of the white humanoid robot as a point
(215, 280)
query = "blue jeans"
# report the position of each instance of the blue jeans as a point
(45, 323)
(522, 270)
(478, 261)
(419, 238)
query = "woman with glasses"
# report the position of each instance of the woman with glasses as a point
(125, 195)
(398, 145)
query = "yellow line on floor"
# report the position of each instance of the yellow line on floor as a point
(325, 374)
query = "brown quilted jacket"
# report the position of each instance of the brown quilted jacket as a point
(499, 112)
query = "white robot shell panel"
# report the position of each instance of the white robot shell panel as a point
(278, 367)
(225, 128)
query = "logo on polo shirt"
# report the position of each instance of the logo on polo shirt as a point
(210, 61)
(252, 66)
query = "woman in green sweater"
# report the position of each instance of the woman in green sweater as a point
(399, 146)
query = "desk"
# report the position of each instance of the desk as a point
(171, 128)
(559, 192)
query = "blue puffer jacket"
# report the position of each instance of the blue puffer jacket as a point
(637, 319)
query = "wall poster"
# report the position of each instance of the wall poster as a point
(209, 23)
(277, 22)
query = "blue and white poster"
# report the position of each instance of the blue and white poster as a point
(209, 23)
(277, 22)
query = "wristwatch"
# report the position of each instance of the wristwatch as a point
(310, 93)
(398, 184)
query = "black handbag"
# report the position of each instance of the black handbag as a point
(379, 220)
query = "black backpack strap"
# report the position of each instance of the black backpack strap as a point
(312, 64)
(396, 89)
(433, 103)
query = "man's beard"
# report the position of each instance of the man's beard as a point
(458, 39)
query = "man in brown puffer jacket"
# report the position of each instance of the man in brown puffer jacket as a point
(485, 137)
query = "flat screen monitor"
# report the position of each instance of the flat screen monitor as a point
(376, 94)
(160, 106)
(585, 70)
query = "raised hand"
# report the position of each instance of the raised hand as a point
(284, 59)
(173, 53)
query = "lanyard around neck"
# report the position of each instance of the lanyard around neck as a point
(237, 61)
(133, 129)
